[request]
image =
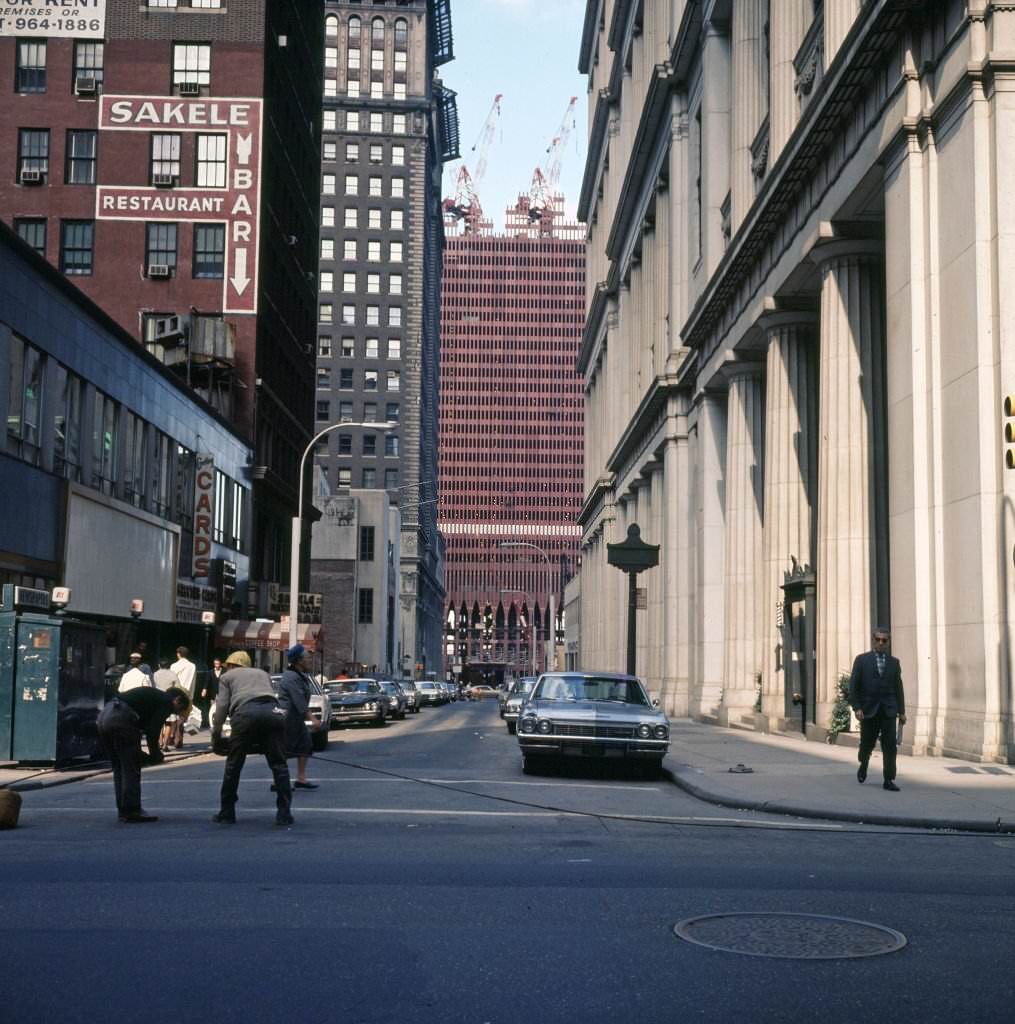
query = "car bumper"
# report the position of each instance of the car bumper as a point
(509, 715)
(592, 746)
(338, 717)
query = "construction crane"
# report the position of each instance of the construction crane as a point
(546, 178)
(466, 205)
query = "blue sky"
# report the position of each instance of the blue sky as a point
(527, 50)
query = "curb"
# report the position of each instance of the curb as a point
(985, 827)
(31, 784)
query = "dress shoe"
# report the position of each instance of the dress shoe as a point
(224, 818)
(861, 773)
(890, 786)
(304, 785)
(137, 818)
(284, 818)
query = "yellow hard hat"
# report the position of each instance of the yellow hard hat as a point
(240, 658)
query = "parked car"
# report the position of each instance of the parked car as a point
(481, 692)
(413, 697)
(430, 692)
(397, 701)
(318, 714)
(594, 715)
(515, 699)
(452, 690)
(358, 700)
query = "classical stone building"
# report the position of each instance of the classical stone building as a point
(797, 343)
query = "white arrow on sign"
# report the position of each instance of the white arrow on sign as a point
(244, 144)
(239, 280)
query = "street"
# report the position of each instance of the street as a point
(428, 879)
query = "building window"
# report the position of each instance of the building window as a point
(401, 34)
(377, 88)
(345, 444)
(33, 155)
(369, 380)
(67, 424)
(370, 444)
(351, 184)
(352, 88)
(397, 221)
(104, 417)
(351, 152)
(328, 184)
(239, 500)
(330, 87)
(390, 479)
(351, 217)
(323, 412)
(371, 348)
(369, 412)
(398, 124)
(374, 252)
(391, 412)
(327, 248)
(30, 66)
(327, 216)
(33, 231)
(324, 346)
(394, 380)
(88, 64)
(350, 249)
(345, 413)
(327, 281)
(369, 477)
(398, 155)
(376, 186)
(376, 122)
(349, 282)
(373, 284)
(398, 188)
(366, 543)
(391, 444)
(81, 154)
(377, 34)
(395, 316)
(348, 315)
(331, 120)
(373, 316)
(365, 614)
(209, 250)
(323, 378)
(77, 244)
(352, 120)
(331, 56)
(395, 284)
(395, 252)
(160, 247)
(165, 159)
(345, 379)
(24, 404)
(331, 26)
(401, 65)
(211, 161)
(399, 90)
(354, 59)
(191, 67)
(344, 475)
(394, 348)
(348, 348)
(374, 220)
(325, 312)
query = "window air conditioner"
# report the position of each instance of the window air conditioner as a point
(86, 85)
(158, 270)
(189, 88)
(31, 177)
(163, 180)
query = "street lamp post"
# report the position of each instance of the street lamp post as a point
(551, 653)
(294, 564)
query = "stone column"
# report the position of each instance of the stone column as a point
(788, 24)
(744, 498)
(791, 476)
(839, 18)
(748, 100)
(850, 408)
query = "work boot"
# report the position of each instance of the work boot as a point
(284, 818)
(225, 817)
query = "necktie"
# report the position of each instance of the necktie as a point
(881, 664)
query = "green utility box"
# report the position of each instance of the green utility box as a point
(52, 669)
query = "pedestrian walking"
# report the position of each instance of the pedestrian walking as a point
(877, 699)
(209, 691)
(294, 692)
(135, 676)
(141, 711)
(186, 672)
(257, 722)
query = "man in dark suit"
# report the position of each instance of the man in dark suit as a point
(876, 697)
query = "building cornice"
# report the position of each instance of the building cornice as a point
(645, 416)
(594, 161)
(590, 28)
(590, 336)
(595, 498)
(856, 62)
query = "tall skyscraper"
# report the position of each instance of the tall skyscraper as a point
(389, 125)
(511, 433)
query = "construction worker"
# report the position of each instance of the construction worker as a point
(256, 721)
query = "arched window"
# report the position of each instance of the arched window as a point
(331, 25)
(354, 26)
(377, 33)
(401, 34)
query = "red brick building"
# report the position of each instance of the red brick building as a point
(165, 155)
(511, 428)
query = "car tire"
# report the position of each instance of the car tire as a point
(381, 722)
(534, 764)
(512, 728)
(651, 771)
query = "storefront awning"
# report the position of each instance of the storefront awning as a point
(238, 634)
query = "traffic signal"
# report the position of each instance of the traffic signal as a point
(1009, 430)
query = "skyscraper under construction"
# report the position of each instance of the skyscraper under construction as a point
(511, 428)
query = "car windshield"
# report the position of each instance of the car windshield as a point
(522, 687)
(605, 688)
(355, 686)
(389, 687)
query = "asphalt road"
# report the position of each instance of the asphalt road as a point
(428, 879)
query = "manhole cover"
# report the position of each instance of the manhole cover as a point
(794, 936)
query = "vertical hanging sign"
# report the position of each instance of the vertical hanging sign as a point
(204, 507)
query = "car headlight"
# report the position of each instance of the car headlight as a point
(545, 726)
(372, 706)
(529, 725)
(661, 732)
(645, 731)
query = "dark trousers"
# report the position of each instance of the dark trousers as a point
(121, 735)
(203, 704)
(870, 729)
(257, 726)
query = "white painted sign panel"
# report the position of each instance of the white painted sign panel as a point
(58, 19)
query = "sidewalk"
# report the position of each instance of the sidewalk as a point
(41, 777)
(816, 780)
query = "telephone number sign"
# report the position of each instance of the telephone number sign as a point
(78, 19)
